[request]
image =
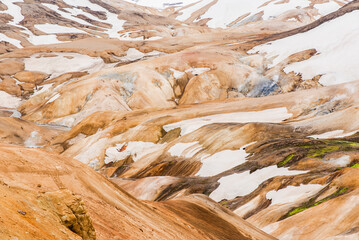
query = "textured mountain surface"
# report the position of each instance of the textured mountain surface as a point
(206, 119)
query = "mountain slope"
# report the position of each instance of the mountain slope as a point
(205, 119)
(35, 181)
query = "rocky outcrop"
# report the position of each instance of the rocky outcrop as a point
(31, 77)
(10, 67)
(72, 212)
(9, 85)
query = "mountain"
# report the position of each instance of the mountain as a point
(206, 119)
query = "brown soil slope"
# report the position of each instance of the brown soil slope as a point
(46, 196)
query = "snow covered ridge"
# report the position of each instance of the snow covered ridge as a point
(336, 59)
(72, 15)
(221, 13)
(161, 4)
(224, 12)
(270, 115)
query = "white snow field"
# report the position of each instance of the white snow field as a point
(54, 28)
(241, 184)
(65, 62)
(13, 41)
(160, 4)
(292, 194)
(15, 12)
(9, 101)
(337, 57)
(186, 150)
(224, 12)
(274, 115)
(222, 161)
(112, 19)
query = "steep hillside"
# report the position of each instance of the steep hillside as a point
(206, 119)
(53, 197)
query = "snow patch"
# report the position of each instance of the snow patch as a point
(241, 184)
(33, 140)
(9, 101)
(274, 115)
(56, 96)
(326, 8)
(54, 28)
(95, 164)
(293, 194)
(112, 19)
(337, 56)
(92, 150)
(72, 12)
(135, 149)
(198, 71)
(15, 42)
(226, 11)
(342, 161)
(333, 134)
(161, 4)
(186, 150)
(133, 54)
(177, 74)
(76, 63)
(222, 161)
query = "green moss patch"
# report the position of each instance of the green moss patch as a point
(319, 148)
(285, 161)
(312, 203)
(322, 151)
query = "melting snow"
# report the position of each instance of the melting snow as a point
(13, 41)
(198, 71)
(57, 95)
(15, 113)
(333, 134)
(187, 12)
(134, 149)
(342, 161)
(73, 11)
(33, 140)
(54, 28)
(95, 164)
(224, 12)
(293, 194)
(222, 161)
(92, 150)
(274, 115)
(186, 150)
(337, 59)
(177, 74)
(326, 8)
(9, 101)
(241, 184)
(13, 10)
(133, 54)
(112, 18)
(76, 63)
(160, 4)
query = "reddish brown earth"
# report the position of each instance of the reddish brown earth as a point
(168, 128)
